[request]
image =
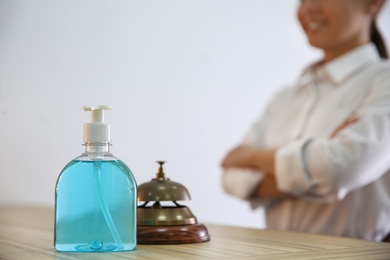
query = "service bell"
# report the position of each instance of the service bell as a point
(166, 224)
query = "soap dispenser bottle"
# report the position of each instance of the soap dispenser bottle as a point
(96, 196)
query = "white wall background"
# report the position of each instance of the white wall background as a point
(186, 79)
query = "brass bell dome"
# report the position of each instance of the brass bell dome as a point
(162, 224)
(162, 189)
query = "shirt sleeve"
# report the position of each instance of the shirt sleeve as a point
(242, 182)
(327, 169)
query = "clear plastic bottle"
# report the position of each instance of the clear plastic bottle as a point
(96, 197)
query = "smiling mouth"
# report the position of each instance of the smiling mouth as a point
(314, 25)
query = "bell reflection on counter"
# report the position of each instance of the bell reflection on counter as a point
(167, 224)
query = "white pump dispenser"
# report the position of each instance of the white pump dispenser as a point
(96, 131)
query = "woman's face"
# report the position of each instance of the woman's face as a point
(335, 25)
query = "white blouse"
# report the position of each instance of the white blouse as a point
(341, 184)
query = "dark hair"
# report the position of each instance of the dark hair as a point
(377, 39)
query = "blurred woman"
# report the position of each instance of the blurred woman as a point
(318, 160)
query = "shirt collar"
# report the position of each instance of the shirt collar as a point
(339, 69)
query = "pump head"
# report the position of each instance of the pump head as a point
(97, 131)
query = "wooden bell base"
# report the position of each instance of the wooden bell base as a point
(175, 234)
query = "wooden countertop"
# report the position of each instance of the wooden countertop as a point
(27, 233)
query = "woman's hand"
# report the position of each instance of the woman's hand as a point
(250, 157)
(349, 121)
(240, 157)
(268, 189)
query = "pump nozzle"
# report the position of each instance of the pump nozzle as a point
(97, 130)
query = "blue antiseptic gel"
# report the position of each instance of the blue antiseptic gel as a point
(96, 196)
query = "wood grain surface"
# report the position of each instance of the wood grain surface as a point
(27, 233)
